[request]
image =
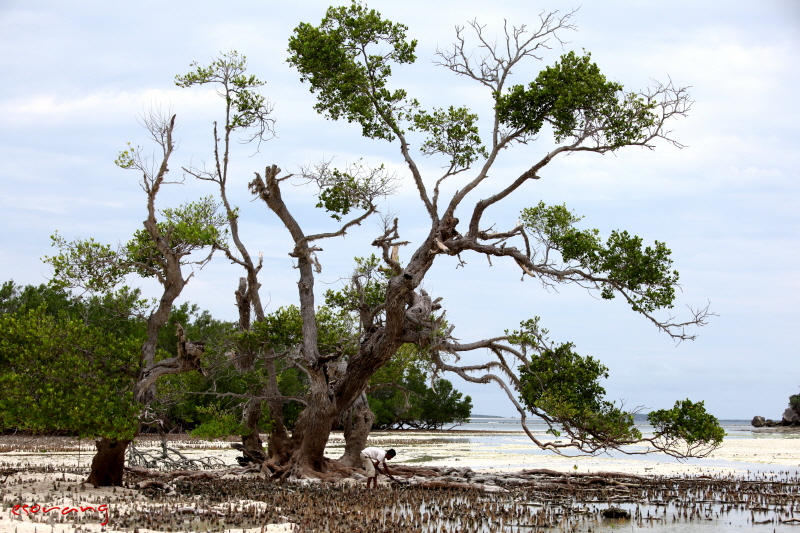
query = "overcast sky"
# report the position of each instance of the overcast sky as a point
(77, 74)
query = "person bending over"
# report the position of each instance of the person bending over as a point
(374, 461)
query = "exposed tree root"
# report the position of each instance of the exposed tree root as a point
(555, 473)
(190, 474)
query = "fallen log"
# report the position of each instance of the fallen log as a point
(410, 471)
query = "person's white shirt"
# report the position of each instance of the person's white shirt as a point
(376, 454)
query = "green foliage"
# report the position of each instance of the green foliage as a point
(55, 300)
(343, 191)
(98, 268)
(118, 312)
(440, 404)
(187, 228)
(250, 109)
(183, 397)
(120, 315)
(292, 382)
(126, 159)
(60, 375)
(337, 199)
(95, 266)
(575, 98)
(565, 387)
(283, 330)
(217, 423)
(199, 326)
(689, 422)
(347, 61)
(368, 288)
(280, 330)
(418, 406)
(794, 402)
(453, 133)
(622, 259)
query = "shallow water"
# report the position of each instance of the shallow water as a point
(507, 437)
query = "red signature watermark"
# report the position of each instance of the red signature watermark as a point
(65, 510)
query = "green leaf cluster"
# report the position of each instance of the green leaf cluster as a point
(421, 406)
(645, 271)
(61, 375)
(454, 133)
(98, 268)
(194, 401)
(228, 70)
(689, 422)
(347, 60)
(185, 229)
(576, 99)
(366, 290)
(198, 325)
(283, 330)
(121, 315)
(116, 312)
(96, 265)
(127, 158)
(219, 423)
(343, 191)
(565, 387)
(794, 402)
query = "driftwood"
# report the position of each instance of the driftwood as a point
(409, 471)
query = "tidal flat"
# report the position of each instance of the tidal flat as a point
(475, 480)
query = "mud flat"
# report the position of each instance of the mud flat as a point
(464, 481)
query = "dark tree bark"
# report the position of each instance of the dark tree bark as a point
(108, 463)
(406, 313)
(357, 425)
(329, 397)
(166, 267)
(252, 440)
(278, 440)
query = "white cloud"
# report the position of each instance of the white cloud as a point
(77, 75)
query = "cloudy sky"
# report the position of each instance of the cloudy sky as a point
(77, 74)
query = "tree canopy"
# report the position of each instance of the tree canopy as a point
(58, 355)
(331, 354)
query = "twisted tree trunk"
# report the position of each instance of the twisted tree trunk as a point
(357, 425)
(108, 463)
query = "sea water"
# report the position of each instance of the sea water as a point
(512, 440)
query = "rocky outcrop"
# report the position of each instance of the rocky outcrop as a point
(761, 422)
(790, 417)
